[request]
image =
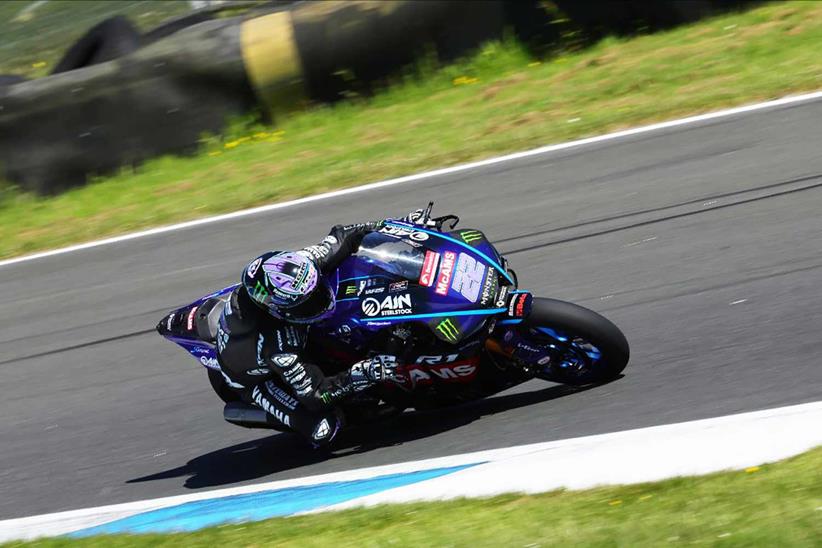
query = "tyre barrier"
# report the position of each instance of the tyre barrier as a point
(118, 97)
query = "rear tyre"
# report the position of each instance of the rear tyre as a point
(582, 328)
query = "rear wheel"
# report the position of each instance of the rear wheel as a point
(588, 347)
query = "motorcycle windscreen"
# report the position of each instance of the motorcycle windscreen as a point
(396, 256)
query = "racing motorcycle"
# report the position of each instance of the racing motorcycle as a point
(448, 305)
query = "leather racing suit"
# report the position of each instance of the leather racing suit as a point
(263, 358)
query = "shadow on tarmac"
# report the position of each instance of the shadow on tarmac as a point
(281, 452)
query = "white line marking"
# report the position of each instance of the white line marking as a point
(644, 454)
(632, 244)
(424, 175)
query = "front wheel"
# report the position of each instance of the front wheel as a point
(588, 348)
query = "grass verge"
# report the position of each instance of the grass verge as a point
(498, 101)
(36, 34)
(771, 505)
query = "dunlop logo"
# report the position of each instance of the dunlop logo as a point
(448, 330)
(469, 236)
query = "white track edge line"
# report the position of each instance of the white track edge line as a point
(499, 454)
(790, 99)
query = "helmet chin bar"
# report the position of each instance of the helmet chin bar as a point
(313, 308)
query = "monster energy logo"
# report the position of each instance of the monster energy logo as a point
(448, 330)
(469, 236)
(351, 289)
(260, 292)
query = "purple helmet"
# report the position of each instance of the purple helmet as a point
(289, 286)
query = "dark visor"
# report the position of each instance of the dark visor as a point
(315, 305)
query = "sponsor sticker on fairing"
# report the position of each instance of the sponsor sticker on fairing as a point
(391, 305)
(446, 272)
(503, 294)
(425, 373)
(398, 286)
(209, 362)
(190, 320)
(429, 268)
(516, 308)
(488, 289)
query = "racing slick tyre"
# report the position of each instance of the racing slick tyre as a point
(592, 349)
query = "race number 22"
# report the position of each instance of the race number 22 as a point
(468, 277)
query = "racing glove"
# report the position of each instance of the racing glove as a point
(371, 371)
(417, 217)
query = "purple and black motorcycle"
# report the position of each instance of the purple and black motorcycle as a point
(446, 303)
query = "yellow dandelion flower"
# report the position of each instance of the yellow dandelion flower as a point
(464, 81)
(215, 152)
(615, 503)
(752, 469)
(38, 64)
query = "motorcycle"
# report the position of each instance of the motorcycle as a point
(448, 305)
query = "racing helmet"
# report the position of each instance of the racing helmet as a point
(289, 286)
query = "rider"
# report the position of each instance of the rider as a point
(263, 329)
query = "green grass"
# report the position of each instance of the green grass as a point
(771, 505)
(35, 37)
(498, 101)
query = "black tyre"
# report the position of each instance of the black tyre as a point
(582, 328)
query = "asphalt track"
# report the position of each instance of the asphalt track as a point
(702, 242)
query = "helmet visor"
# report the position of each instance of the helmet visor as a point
(317, 303)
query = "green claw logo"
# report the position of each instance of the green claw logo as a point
(448, 330)
(260, 292)
(351, 289)
(469, 236)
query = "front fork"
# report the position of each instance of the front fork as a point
(508, 345)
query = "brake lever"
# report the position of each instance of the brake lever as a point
(426, 214)
(440, 221)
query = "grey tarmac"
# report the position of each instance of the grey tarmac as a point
(702, 242)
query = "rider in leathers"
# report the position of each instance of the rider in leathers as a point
(263, 329)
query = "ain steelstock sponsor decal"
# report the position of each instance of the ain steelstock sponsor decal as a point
(391, 305)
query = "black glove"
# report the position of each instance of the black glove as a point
(417, 217)
(368, 372)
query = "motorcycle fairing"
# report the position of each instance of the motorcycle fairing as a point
(202, 351)
(383, 283)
